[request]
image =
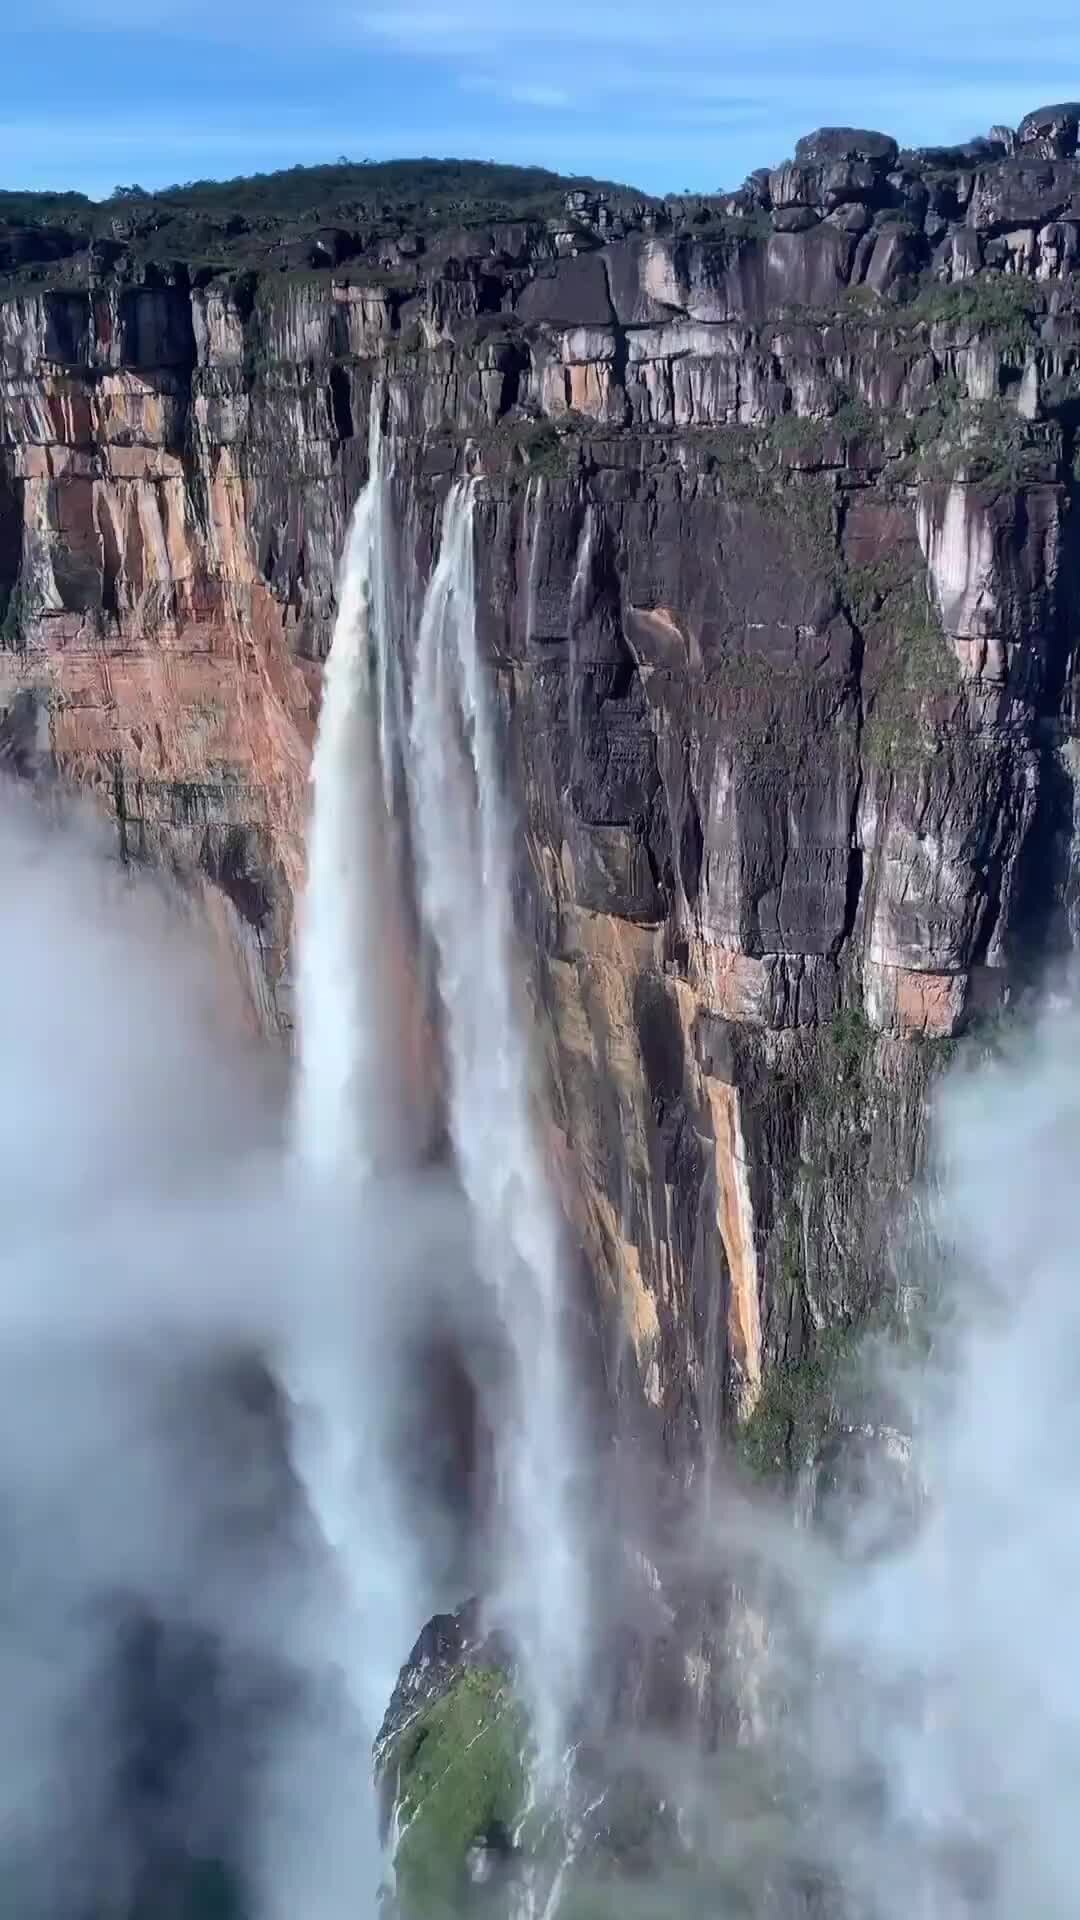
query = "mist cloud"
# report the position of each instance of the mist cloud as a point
(898, 1647)
(162, 1260)
(903, 1681)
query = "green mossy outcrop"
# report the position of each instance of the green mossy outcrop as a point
(458, 1769)
(797, 1408)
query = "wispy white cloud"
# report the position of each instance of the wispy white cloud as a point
(78, 153)
(552, 98)
(548, 97)
(940, 72)
(662, 95)
(974, 35)
(180, 19)
(964, 31)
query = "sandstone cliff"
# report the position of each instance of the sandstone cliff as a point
(779, 581)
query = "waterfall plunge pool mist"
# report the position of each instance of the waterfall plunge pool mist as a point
(179, 1651)
(356, 1112)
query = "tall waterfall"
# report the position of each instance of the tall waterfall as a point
(466, 879)
(352, 1114)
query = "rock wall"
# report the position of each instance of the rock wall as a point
(778, 576)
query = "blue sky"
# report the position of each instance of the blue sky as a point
(664, 93)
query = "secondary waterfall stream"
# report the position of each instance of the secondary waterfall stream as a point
(466, 884)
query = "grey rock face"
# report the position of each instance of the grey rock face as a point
(1051, 131)
(846, 143)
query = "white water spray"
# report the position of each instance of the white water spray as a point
(352, 1116)
(466, 882)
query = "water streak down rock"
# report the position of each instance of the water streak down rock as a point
(351, 1105)
(466, 877)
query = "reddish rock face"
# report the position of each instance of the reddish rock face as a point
(776, 575)
(154, 644)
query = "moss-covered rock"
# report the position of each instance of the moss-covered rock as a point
(452, 1765)
(797, 1408)
(460, 1785)
(190, 1889)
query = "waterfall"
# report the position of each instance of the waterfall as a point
(464, 852)
(355, 1122)
(353, 1117)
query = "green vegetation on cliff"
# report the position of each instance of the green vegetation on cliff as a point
(300, 217)
(999, 307)
(430, 189)
(461, 1782)
(11, 619)
(917, 669)
(798, 1406)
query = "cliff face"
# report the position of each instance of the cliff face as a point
(778, 576)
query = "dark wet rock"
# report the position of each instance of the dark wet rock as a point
(846, 180)
(964, 154)
(37, 246)
(574, 295)
(1021, 192)
(846, 143)
(851, 217)
(1051, 131)
(794, 219)
(897, 257)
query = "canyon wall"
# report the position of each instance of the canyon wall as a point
(777, 558)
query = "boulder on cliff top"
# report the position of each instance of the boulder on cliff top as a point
(846, 143)
(962, 154)
(574, 294)
(1052, 131)
(452, 1770)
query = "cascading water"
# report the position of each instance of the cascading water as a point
(350, 1115)
(908, 1733)
(353, 1118)
(466, 874)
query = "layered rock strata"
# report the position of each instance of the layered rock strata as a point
(778, 578)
